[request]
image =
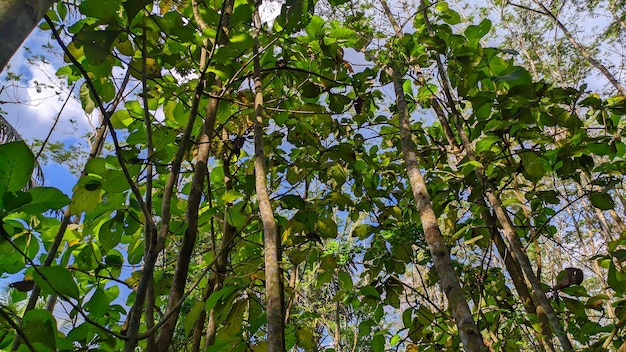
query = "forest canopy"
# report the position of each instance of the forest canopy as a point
(334, 176)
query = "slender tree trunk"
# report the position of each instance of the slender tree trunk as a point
(228, 235)
(514, 243)
(520, 257)
(448, 280)
(273, 273)
(337, 317)
(468, 331)
(490, 222)
(17, 19)
(158, 242)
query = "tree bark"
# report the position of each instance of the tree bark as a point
(17, 19)
(273, 273)
(448, 280)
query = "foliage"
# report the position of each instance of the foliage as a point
(357, 270)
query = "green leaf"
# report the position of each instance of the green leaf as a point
(110, 234)
(14, 201)
(315, 28)
(98, 304)
(601, 200)
(219, 296)
(16, 166)
(40, 327)
(96, 166)
(370, 291)
(486, 143)
(345, 281)
(378, 343)
(85, 99)
(133, 7)
(616, 279)
(121, 119)
(477, 32)
(362, 231)
(44, 199)
(192, 316)
(100, 8)
(327, 228)
(232, 196)
(241, 40)
(56, 280)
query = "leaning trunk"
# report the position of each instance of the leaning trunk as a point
(17, 19)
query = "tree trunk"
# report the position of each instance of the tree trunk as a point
(17, 19)
(449, 282)
(273, 273)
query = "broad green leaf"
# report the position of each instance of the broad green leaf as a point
(121, 119)
(327, 228)
(56, 280)
(100, 8)
(98, 304)
(219, 296)
(487, 143)
(44, 199)
(232, 196)
(369, 291)
(110, 234)
(362, 231)
(479, 31)
(616, 279)
(315, 28)
(241, 40)
(85, 198)
(447, 15)
(96, 166)
(16, 166)
(378, 343)
(345, 281)
(192, 316)
(40, 327)
(15, 201)
(233, 324)
(601, 200)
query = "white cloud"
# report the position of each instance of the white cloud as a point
(32, 104)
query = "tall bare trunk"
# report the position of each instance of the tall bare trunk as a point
(468, 331)
(273, 273)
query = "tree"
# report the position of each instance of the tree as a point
(263, 191)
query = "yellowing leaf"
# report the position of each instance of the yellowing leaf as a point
(153, 70)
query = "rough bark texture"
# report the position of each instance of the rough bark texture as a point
(520, 257)
(191, 218)
(448, 280)
(273, 273)
(17, 19)
(468, 331)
